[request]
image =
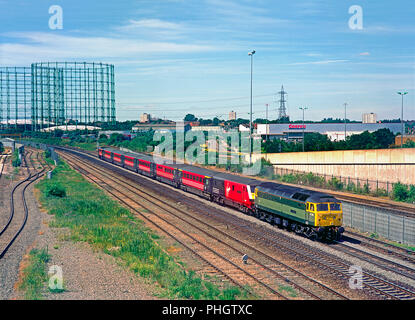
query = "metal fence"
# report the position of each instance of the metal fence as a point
(334, 182)
(380, 221)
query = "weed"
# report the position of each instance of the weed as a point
(35, 274)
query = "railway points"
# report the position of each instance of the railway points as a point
(15, 225)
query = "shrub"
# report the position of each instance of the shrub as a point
(400, 192)
(56, 191)
(411, 193)
(15, 159)
(48, 153)
(335, 183)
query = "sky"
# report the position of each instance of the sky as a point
(174, 57)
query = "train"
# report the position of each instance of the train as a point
(316, 215)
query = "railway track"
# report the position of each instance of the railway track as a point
(376, 260)
(9, 230)
(268, 272)
(380, 246)
(396, 207)
(372, 283)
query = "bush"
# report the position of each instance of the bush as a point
(400, 192)
(335, 183)
(56, 191)
(15, 159)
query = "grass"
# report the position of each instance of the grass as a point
(375, 235)
(290, 291)
(93, 217)
(35, 274)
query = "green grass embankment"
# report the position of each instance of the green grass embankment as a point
(93, 217)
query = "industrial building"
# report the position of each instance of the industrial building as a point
(145, 118)
(335, 131)
(161, 127)
(369, 118)
(56, 93)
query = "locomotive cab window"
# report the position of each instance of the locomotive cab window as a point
(335, 206)
(323, 207)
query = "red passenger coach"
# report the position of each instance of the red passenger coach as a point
(107, 155)
(165, 172)
(144, 165)
(234, 190)
(117, 158)
(193, 180)
(129, 162)
(239, 193)
(196, 180)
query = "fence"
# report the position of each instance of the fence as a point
(376, 187)
(380, 221)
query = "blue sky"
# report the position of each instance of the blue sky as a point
(174, 57)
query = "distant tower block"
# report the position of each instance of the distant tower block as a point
(282, 110)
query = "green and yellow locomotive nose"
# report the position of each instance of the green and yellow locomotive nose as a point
(326, 214)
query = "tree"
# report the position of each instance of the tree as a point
(409, 144)
(115, 138)
(383, 138)
(317, 142)
(1, 148)
(190, 117)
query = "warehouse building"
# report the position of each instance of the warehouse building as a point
(335, 131)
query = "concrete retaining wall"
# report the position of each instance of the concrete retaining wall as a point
(385, 165)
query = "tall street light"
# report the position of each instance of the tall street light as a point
(267, 121)
(345, 131)
(250, 114)
(403, 129)
(303, 108)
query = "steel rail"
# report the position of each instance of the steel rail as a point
(273, 260)
(109, 190)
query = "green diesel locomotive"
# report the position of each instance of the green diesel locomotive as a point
(314, 214)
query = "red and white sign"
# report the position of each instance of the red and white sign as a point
(297, 126)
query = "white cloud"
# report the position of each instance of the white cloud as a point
(151, 23)
(364, 54)
(46, 46)
(317, 62)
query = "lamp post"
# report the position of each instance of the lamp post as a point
(345, 131)
(250, 114)
(403, 129)
(303, 109)
(267, 121)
